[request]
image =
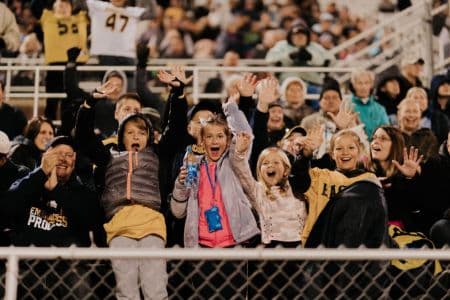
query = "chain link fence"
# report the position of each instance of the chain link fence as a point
(239, 274)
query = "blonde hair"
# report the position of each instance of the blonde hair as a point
(405, 102)
(416, 89)
(284, 183)
(350, 133)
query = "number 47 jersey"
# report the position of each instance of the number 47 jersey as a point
(113, 29)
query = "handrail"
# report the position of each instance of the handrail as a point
(374, 29)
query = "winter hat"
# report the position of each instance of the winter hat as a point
(293, 130)
(5, 143)
(154, 116)
(287, 82)
(61, 140)
(330, 84)
(210, 105)
(298, 27)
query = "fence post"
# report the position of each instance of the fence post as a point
(8, 81)
(12, 272)
(37, 79)
(195, 86)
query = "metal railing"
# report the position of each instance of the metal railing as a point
(321, 272)
(196, 72)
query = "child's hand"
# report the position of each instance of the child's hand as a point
(246, 86)
(411, 162)
(182, 175)
(180, 74)
(243, 142)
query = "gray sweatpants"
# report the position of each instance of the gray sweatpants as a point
(149, 274)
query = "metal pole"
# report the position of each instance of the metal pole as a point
(8, 82)
(37, 79)
(12, 272)
(195, 85)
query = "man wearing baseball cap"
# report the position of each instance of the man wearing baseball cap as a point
(51, 207)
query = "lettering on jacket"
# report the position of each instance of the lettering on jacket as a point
(46, 221)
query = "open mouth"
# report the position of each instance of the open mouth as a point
(346, 159)
(271, 174)
(61, 166)
(135, 147)
(215, 151)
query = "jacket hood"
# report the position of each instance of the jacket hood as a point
(120, 74)
(120, 132)
(436, 82)
(287, 82)
(385, 77)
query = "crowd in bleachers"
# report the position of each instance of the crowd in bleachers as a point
(262, 166)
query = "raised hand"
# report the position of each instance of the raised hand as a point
(267, 93)
(52, 181)
(167, 78)
(243, 142)
(313, 140)
(246, 86)
(345, 118)
(411, 162)
(180, 74)
(105, 90)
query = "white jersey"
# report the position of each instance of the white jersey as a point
(113, 29)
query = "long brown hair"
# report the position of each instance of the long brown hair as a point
(395, 153)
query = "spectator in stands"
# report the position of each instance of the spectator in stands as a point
(370, 112)
(217, 210)
(320, 185)
(395, 167)
(52, 208)
(12, 119)
(411, 69)
(431, 117)
(409, 116)
(217, 84)
(388, 93)
(440, 93)
(29, 149)
(105, 121)
(9, 172)
(299, 50)
(335, 114)
(269, 39)
(293, 93)
(62, 30)
(136, 195)
(281, 215)
(9, 32)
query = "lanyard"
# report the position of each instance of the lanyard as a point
(211, 183)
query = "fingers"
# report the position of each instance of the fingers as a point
(182, 175)
(396, 164)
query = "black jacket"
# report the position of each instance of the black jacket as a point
(61, 217)
(12, 120)
(355, 216)
(26, 153)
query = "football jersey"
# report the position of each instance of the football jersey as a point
(113, 29)
(61, 34)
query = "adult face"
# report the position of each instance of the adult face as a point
(295, 94)
(363, 85)
(380, 146)
(66, 162)
(117, 83)
(127, 107)
(409, 116)
(421, 99)
(392, 87)
(44, 136)
(330, 102)
(299, 39)
(276, 118)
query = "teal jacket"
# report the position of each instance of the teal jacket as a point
(371, 114)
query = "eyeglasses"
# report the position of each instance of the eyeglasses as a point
(381, 138)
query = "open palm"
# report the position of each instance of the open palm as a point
(411, 162)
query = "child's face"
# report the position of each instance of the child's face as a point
(215, 141)
(381, 144)
(127, 107)
(346, 153)
(135, 138)
(272, 169)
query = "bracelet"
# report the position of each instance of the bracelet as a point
(179, 201)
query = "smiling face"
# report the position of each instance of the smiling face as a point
(215, 141)
(380, 147)
(272, 167)
(135, 135)
(409, 116)
(295, 94)
(44, 136)
(66, 162)
(346, 151)
(276, 118)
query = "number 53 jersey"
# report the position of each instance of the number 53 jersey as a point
(61, 34)
(113, 29)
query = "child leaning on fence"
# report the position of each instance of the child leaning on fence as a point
(131, 197)
(218, 213)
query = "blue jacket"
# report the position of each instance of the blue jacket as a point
(372, 114)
